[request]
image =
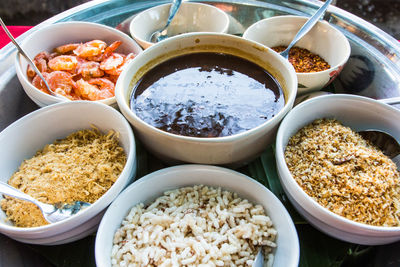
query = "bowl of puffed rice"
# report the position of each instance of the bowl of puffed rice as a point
(342, 183)
(196, 214)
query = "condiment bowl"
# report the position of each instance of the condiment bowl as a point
(148, 188)
(231, 150)
(23, 138)
(323, 39)
(191, 17)
(359, 113)
(52, 36)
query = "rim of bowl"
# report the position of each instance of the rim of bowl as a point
(84, 215)
(124, 105)
(51, 98)
(202, 167)
(136, 18)
(325, 23)
(307, 202)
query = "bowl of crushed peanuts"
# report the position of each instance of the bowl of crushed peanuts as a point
(190, 215)
(56, 155)
(79, 61)
(317, 58)
(342, 183)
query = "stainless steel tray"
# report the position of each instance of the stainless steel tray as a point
(373, 69)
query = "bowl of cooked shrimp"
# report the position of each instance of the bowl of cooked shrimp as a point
(79, 61)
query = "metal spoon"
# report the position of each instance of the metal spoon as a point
(306, 28)
(51, 212)
(21, 51)
(162, 33)
(385, 142)
(259, 260)
(391, 101)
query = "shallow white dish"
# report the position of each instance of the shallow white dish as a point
(323, 39)
(359, 113)
(191, 17)
(232, 150)
(49, 37)
(151, 186)
(22, 139)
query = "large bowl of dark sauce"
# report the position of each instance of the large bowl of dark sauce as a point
(206, 98)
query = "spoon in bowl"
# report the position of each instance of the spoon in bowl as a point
(385, 142)
(161, 34)
(306, 28)
(22, 52)
(51, 212)
(259, 259)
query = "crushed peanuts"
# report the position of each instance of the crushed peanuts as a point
(344, 173)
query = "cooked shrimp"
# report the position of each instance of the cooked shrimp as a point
(90, 49)
(67, 63)
(112, 62)
(107, 52)
(103, 84)
(39, 84)
(81, 70)
(64, 49)
(89, 69)
(40, 60)
(112, 78)
(111, 48)
(61, 80)
(94, 89)
(117, 71)
(70, 96)
(42, 55)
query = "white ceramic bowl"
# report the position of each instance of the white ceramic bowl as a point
(234, 149)
(323, 39)
(22, 139)
(153, 185)
(191, 17)
(359, 113)
(49, 37)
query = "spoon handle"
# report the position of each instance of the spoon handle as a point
(172, 11)
(391, 100)
(22, 52)
(306, 27)
(13, 192)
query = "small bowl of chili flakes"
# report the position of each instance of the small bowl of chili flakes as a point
(318, 57)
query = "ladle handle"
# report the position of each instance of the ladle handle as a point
(306, 27)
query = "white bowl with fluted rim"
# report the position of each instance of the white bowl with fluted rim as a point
(151, 186)
(52, 36)
(231, 150)
(191, 17)
(323, 39)
(23, 138)
(359, 113)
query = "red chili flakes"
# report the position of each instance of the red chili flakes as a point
(303, 60)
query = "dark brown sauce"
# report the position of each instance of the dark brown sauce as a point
(207, 95)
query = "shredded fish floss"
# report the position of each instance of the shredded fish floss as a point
(81, 167)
